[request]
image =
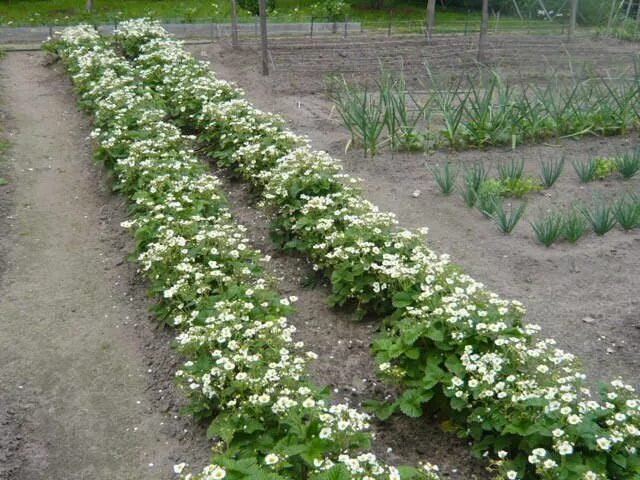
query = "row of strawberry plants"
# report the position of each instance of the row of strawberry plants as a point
(243, 367)
(447, 341)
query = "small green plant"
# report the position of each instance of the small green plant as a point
(586, 171)
(445, 177)
(519, 187)
(361, 111)
(475, 175)
(574, 226)
(3, 182)
(469, 194)
(604, 167)
(511, 171)
(489, 193)
(627, 212)
(628, 164)
(548, 228)
(550, 171)
(506, 220)
(600, 215)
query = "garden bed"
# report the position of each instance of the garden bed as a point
(582, 295)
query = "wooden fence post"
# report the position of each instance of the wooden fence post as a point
(263, 36)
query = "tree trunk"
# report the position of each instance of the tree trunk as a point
(89, 6)
(234, 24)
(572, 18)
(484, 29)
(431, 18)
(263, 37)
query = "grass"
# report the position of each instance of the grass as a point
(402, 15)
(548, 228)
(550, 171)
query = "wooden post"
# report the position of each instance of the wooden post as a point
(431, 19)
(572, 18)
(89, 6)
(484, 28)
(235, 43)
(263, 36)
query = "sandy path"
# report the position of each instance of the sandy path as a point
(77, 396)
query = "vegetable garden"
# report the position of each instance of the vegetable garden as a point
(444, 342)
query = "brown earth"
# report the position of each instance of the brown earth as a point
(86, 385)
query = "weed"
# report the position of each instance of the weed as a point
(604, 167)
(519, 187)
(488, 194)
(548, 228)
(550, 171)
(445, 177)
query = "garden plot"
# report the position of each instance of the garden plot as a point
(301, 65)
(430, 336)
(583, 294)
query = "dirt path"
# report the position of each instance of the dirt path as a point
(85, 389)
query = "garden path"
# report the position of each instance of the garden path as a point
(81, 391)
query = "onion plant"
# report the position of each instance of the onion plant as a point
(506, 220)
(586, 171)
(511, 171)
(450, 101)
(627, 212)
(445, 177)
(362, 113)
(574, 225)
(600, 214)
(402, 113)
(548, 228)
(550, 171)
(628, 164)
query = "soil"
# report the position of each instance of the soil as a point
(86, 386)
(583, 295)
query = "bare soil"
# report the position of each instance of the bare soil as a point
(584, 295)
(86, 385)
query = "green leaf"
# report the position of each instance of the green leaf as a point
(223, 426)
(403, 299)
(337, 472)
(411, 403)
(3, 182)
(382, 410)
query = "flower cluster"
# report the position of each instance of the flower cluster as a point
(243, 367)
(445, 338)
